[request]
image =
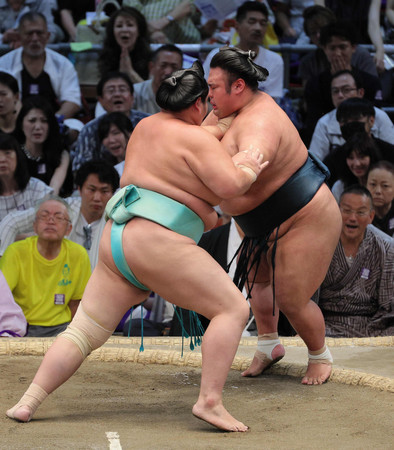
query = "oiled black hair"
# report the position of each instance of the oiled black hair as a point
(182, 88)
(239, 64)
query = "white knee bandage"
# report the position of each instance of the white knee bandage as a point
(86, 333)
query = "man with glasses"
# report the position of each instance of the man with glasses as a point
(42, 71)
(356, 296)
(47, 273)
(115, 93)
(327, 136)
(96, 181)
(251, 25)
(338, 41)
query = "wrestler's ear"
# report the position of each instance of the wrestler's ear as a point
(238, 86)
(198, 103)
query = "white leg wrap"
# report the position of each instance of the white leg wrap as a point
(267, 342)
(32, 398)
(322, 356)
(86, 333)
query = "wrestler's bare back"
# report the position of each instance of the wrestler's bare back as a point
(182, 161)
(264, 125)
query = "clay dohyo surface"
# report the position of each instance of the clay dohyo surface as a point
(149, 407)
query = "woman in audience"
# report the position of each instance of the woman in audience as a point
(43, 145)
(114, 132)
(9, 102)
(381, 186)
(126, 45)
(353, 160)
(18, 190)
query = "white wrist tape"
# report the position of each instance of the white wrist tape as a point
(248, 170)
(224, 123)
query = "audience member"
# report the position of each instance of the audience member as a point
(356, 296)
(126, 45)
(11, 12)
(251, 25)
(353, 161)
(9, 103)
(365, 15)
(18, 190)
(380, 184)
(12, 320)
(289, 18)
(165, 60)
(338, 42)
(114, 132)
(115, 93)
(327, 136)
(168, 21)
(43, 145)
(70, 13)
(47, 273)
(42, 71)
(356, 115)
(313, 63)
(97, 181)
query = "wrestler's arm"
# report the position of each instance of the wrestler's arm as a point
(217, 127)
(256, 134)
(216, 169)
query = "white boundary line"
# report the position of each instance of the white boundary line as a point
(113, 437)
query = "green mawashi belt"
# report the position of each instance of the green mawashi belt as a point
(132, 201)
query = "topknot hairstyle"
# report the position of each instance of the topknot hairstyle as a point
(182, 88)
(239, 64)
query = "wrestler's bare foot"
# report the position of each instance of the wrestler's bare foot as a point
(217, 416)
(261, 362)
(317, 374)
(21, 413)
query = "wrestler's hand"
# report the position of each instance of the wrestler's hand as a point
(251, 162)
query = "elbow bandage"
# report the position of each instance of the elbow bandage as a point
(85, 332)
(248, 170)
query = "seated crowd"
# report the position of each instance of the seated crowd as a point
(61, 160)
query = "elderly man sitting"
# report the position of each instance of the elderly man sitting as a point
(47, 273)
(356, 297)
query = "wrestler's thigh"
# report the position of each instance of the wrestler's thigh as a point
(304, 252)
(178, 270)
(263, 274)
(108, 295)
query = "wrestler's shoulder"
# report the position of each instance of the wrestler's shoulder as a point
(263, 109)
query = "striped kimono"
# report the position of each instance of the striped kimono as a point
(358, 300)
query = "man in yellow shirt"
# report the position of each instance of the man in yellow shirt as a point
(47, 273)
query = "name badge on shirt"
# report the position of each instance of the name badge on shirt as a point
(34, 89)
(365, 273)
(41, 168)
(60, 299)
